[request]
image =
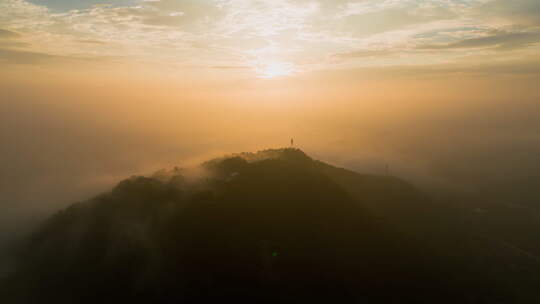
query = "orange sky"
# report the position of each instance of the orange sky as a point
(93, 93)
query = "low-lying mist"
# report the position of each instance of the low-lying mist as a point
(64, 144)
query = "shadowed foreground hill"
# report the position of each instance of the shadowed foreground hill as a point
(267, 227)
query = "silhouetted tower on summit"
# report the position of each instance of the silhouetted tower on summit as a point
(292, 142)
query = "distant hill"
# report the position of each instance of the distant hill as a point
(269, 227)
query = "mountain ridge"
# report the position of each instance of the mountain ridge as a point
(266, 227)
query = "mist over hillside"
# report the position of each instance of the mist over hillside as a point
(277, 226)
(417, 179)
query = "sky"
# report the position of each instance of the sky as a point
(444, 91)
(274, 38)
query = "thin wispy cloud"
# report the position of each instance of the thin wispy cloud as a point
(498, 40)
(285, 32)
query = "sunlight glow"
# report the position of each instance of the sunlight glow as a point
(274, 69)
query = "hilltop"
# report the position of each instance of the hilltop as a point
(273, 226)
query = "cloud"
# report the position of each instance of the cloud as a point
(186, 15)
(372, 17)
(511, 67)
(67, 5)
(23, 57)
(524, 12)
(89, 41)
(517, 67)
(5, 34)
(363, 54)
(20, 14)
(310, 34)
(500, 40)
(10, 44)
(8, 39)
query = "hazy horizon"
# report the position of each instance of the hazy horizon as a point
(92, 92)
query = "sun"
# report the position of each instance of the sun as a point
(274, 69)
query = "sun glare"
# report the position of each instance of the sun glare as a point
(274, 69)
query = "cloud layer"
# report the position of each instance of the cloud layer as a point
(305, 34)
